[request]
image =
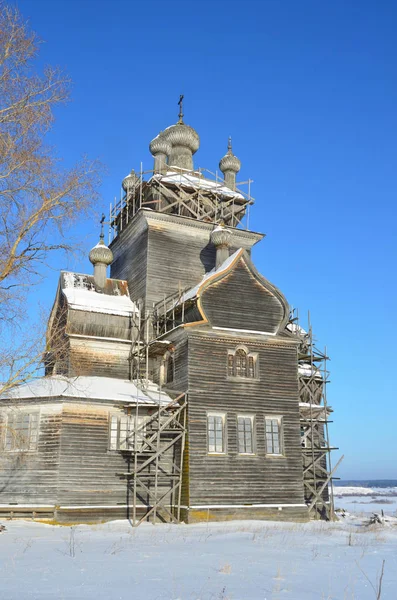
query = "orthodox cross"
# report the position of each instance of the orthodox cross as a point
(102, 222)
(180, 108)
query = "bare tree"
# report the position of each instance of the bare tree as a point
(38, 199)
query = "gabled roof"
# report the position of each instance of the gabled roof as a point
(81, 293)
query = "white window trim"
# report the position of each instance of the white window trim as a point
(35, 412)
(280, 420)
(224, 432)
(253, 430)
(118, 417)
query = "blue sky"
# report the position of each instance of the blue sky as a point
(308, 90)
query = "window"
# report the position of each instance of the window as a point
(167, 369)
(216, 425)
(122, 432)
(242, 363)
(245, 430)
(21, 432)
(274, 434)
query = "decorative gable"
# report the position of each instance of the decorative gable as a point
(240, 298)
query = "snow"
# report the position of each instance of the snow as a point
(238, 560)
(98, 388)
(197, 182)
(192, 293)
(346, 490)
(294, 328)
(82, 295)
(92, 301)
(308, 370)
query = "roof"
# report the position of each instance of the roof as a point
(82, 294)
(197, 182)
(192, 293)
(92, 388)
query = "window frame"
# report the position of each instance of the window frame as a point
(115, 441)
(223, 415)
(252, 418)
(280, 422)
(32, 434)
(231, 355)
(167, 368)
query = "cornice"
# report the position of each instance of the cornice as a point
(149, 216)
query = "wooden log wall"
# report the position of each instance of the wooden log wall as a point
(159, 253)
(98, 358)
(96, 324)
(31, 477)
(72, 465)
(234, 478)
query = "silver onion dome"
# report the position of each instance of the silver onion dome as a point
(182, 135)
(101, 254)
(220, 237)
(129, 181)
(160, 145)
(230, 162)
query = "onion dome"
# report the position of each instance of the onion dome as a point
(160, 145)
(229, 162)
(101, 254)
(220, 237)
(182, 135)
(129, 181)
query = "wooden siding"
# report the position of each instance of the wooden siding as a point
(87, 473)
(234, 478)
(240, 301)
(31, 477)
(98, 358)
(130, 258)
(98, 324)
(159, 254)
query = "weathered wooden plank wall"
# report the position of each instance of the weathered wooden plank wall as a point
(179, 253)
(238, 300)
(234, 478)
(98, 358)
(31, 477)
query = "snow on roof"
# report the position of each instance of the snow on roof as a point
(93, 388)
(297, 329)
(200, 182)
(81, 294)
(308, 370)
(192, 293)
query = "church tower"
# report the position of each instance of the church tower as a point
(216, 331)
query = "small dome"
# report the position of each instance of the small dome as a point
(101, 254)
(129, 181)
(160, 145)
(182, 135)
(230, 162)
(220, 236)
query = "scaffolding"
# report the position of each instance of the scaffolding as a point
(198, 194)
(155, 462)
(154, 437)
(313, 378)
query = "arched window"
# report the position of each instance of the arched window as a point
(242, 363)
(167, 368)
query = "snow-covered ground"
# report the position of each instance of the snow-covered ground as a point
(367, 500)
(240, 560)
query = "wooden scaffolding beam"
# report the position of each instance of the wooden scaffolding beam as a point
(154, 478)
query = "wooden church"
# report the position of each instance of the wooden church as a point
(180, 388)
